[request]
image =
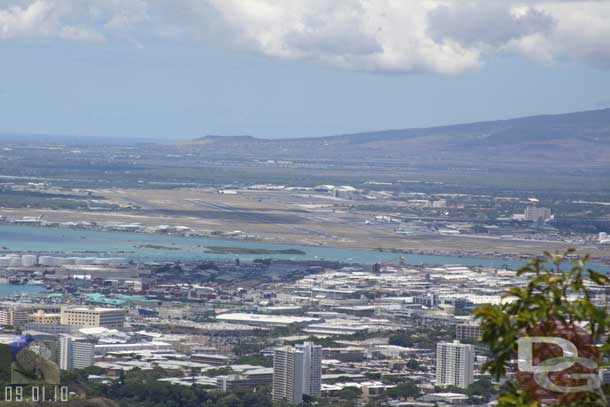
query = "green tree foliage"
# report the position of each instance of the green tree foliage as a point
(349, 393)
(340, 379)
(480, 392)
(248, 348)
(413, 364)
(552, 296)
(401, 339)
(141, 388)
(80, 375)
(404, 390)
(325, 342)
(421, 336)
(219, 371)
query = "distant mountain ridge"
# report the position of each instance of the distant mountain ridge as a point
(214, 138)
(69, 140)
(581, 136)
(586, 123)
(567, 151)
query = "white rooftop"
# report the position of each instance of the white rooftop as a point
(264, 318)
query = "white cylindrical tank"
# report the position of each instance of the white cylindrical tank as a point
(50, 261)
(28, 260)
(60, 261)
(15, 260)
(45, 260)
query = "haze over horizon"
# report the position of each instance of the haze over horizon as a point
(294, 69)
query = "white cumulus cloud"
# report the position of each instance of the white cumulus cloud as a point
(441, 36)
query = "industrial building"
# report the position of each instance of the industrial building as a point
(269, 321)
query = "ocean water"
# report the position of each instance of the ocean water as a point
(55, 241)
(9, 290)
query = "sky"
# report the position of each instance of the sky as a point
(180, 69)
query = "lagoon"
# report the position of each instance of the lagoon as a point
(153, 248)
(14, 290)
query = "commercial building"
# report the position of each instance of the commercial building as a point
(468, 332)
(336, 327)
(335, 294)
(113, 318)
(52, 329)
(287, 375)
(14, 316)
(75, 353)
(312, 368)
(454, 364)
(537, 213)
(103, 349)
(345, 354)
(441, 203)
(248, 380)
(296, 371)
(41, 317)
(209, 359)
